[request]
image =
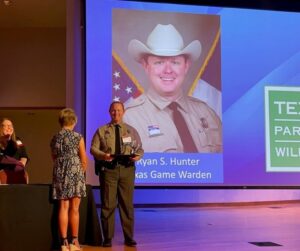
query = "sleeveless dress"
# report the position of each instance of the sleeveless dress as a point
(68, 176)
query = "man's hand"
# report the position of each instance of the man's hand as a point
(136, 157)
(107, 157)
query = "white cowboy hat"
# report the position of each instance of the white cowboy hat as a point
(164, 40)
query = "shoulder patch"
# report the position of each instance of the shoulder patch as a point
(104, 128)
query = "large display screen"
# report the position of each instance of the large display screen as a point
(234, 74)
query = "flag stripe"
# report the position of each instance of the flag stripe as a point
(202, 69)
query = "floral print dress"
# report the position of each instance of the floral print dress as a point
(68, 175)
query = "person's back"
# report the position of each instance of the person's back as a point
(68, 182)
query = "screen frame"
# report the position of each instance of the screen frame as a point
(256, 5)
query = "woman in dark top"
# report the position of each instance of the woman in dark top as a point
(13, 156)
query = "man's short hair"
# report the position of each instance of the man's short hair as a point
(116, 102)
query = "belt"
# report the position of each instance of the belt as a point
(102, 164)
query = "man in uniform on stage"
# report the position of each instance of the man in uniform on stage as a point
(116, 146)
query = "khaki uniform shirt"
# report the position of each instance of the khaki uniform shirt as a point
(104, 141)
(152, 118)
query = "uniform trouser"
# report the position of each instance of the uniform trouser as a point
(117, 187)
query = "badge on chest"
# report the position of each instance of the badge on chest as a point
(154, 130)
(126, 139)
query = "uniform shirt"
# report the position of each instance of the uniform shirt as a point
(151, 116)
(104, 141)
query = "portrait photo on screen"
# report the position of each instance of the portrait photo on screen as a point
(166, 68)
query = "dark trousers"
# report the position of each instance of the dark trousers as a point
(117, 187)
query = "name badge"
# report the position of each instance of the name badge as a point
(126, 140)
(153, 130)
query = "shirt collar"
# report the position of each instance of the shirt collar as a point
(161, 102)
(112, 124)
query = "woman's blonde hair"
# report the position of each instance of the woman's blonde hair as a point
(67, 117)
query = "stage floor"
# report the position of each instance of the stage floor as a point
(230, 228)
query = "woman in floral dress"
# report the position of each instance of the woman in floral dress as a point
(70, 162)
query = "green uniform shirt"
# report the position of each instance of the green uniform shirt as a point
(104, 141)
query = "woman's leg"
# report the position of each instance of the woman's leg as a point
(63, 219)
(74, 219)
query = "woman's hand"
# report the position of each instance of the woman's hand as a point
(23, 161)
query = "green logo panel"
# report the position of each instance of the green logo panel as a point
(282, 109)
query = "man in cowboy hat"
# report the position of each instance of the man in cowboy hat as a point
(167, 120)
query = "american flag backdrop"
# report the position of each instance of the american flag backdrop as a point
(210, 66)
(124, 84)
